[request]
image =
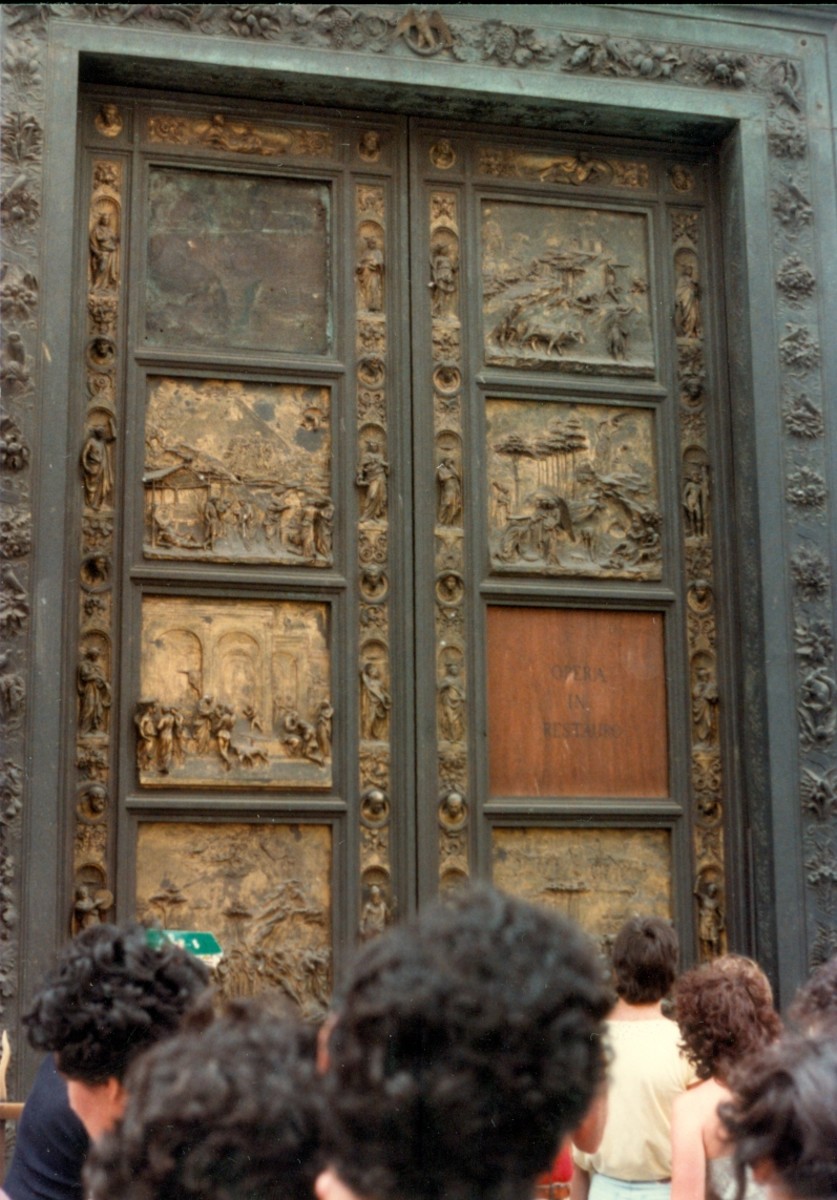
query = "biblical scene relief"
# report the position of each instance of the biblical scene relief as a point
(238, 262)
(263, 890)
(234, 693)
(599, 877)
(572, 490)
(566, 287)
(238, 472)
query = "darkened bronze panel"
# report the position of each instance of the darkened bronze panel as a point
(263, 890)
(237, 262)
(238, 472)
(572, 490)
(599, 877)
(234, 692)
(567, 288)
(576, 703)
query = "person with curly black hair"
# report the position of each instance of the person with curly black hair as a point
(782, 1119)
(725, 1013)
(465, 1045)
(228, 1111)
(113, 993)
(647, 1071)
(815, 1004)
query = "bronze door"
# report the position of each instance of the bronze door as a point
(565, 532)
(396, 551)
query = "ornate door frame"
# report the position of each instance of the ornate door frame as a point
(717, 82)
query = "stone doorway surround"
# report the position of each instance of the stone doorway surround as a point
(749, 82)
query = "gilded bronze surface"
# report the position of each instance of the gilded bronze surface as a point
(599, 877)
(707, 774)
(237, 135)
(263, 890)
(576, 169)
(573, 490)
(237, 472)
(237, 262)
(234, 692)
(567, 288)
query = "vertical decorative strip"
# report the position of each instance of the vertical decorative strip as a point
(805, 413)
(701, 628)
(377, 902)
(21, 161)
(95, 671)
(449, 536)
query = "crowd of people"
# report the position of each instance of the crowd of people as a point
(475, 1052)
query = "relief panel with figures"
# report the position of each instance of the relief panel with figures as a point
(595, 876)
(265, 889)
(238, 262)
(573, 490)
(567, 288)
(238, 472)
(234, 692)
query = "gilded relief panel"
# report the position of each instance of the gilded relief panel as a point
(263, 890)
(566, 288)
(234, 693)
(237, 262)
(238, 472)
(573, 490)
(599, 877)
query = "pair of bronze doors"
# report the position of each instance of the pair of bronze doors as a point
(396, 528)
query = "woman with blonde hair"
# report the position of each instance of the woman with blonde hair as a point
(725, 1013)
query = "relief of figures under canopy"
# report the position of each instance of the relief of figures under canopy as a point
(238, 472)
(234, 692)
(572, 490)
(566, 288)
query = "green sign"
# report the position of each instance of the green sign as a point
(203, 945)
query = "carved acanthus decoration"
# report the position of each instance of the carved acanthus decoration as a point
(803, 418)
(806, 488)
(792, 207)
(811, 573)
(795, 279)
(798, 349)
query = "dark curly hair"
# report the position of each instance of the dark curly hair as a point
(466, 1043)
(784, 1112)
(644, 960)
(110, 996)
(725, 1011)
(815, 1004)
(227, 1112)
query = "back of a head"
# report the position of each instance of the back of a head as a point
(815, 1004)
(783, 1117)
(227, 1112)
(725, 1012)
(110, 996)
(466, 1043)
(644, 960)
